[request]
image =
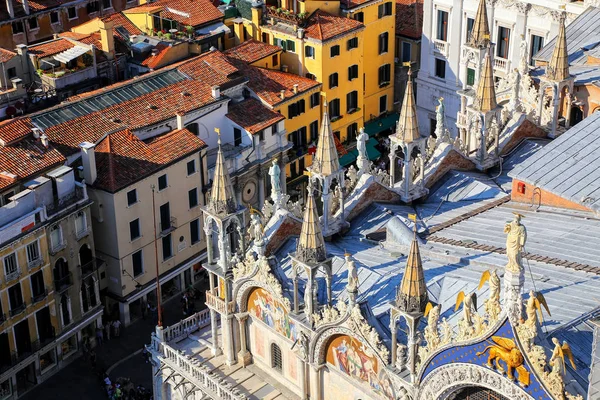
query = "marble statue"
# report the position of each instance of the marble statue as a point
(255, 230)
(275, 172)
(557, 360)
(524, 56)
(515, 241)
(440, 120)
(361, 143)
(533, 307)
(352, 274)
(401, 357)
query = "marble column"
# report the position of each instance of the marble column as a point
(261, 189)
(407, 174)
(296, 306)
(392, 165)
(315, 382)
(244, 355)
(213, 320)
(325, 197)
(394, 330)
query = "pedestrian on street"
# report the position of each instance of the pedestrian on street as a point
(99, 336)
(117, 326)
(107, 329)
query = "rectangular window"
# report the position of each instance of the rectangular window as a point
(162, 182)
(352, 43)
(55, 237)
(134, 229)
(309, 52)
(15, 296)
(72, 12)
(537, 42)
(351, 101)
(296, 109)
(440, 68)
(383, 43)
(503, 42)
(382, 104)
(333, 80)
(80, 223)
(406, 52)
(470, 76)
(237, 137)
(106, 4)
(12, 72)
(442, 26)
(384, 75)
(138, 263)
(352, 72)
(165, 217)
(33, 252)
(359, 16)
(301, 136)
(351, 132)
(37, 285)
(33, 23)
(10, 264)
(334, 51)
(275, 60)
(315, 99)
(261, 136)
(191, 167)
(384, 10)
(311, 76)
(264, 36)
(193, 197)
(132, 197)
(195, 231)
(291, 46)
(93, 7)
(470, 23)
(17, 27)
(314, 130)
(167, 250)
(334, 108)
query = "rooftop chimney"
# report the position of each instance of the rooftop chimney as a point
(300, 33)
(106, 37)
(10, 8)
(36, 133)
(282, 94)
(44, 140)
(180, 123)
(26, 6)
(295, 88)
(16, 82)
(216, 92)
(88, 159)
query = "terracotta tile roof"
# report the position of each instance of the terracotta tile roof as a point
(133, 114)
(27, 159)
(14, 129)
(214, 68)
(122, 158)
(6, 55)
(144, 8)
(323, 26)
(85, 38)
(252, 115)
(51, 48)
(153, 61)
(199, 12)
(268, 83)
(252, 50)
(409, 18)
(118, 19)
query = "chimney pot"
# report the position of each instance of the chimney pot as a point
(282, 94)
(216, 92)
(180, 123)
(36, 133)
(295, 88)
(88, 160)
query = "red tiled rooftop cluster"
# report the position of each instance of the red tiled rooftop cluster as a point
(252, 50)
(51, 48)
(200, 11)
(251, 115)
(324, 26)
(409, 18)
(213, 68)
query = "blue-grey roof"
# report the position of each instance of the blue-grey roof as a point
(583, 35)
(582, 74)
(138, 87)
(568, 166)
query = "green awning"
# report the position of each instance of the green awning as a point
(372, 128)
(372, 152)
(348, 158)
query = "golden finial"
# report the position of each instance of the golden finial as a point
(218, 130)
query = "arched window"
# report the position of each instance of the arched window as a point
(276, 361)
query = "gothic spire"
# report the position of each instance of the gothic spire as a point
(485, 99)
(480, 34)
(408, 127)
(326, 160)
(558, 68)
(412, 293)
(311, 246)
(222, 200)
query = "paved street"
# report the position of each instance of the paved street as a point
(78, 381)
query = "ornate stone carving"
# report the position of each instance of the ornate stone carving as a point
(515, 241)
(260, 271)
(256, 228)
(330, 314)
(358, 324)
(267, 210)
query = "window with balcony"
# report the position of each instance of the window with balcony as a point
(383, 42)
(384, 75)
(56, 239)
(38, 288)
(353, 72)
(442, 26)
(315, 99)
(62, 275)
(138, 263)
(17, 27)
(193, 198)
(314, 130)
(537, 42)
(470, 76)
(406, 52)
(80, 224)
(134, 229)
(167, 249)
(33, 254)
(132, 197)
(72, 12)
(352, 43)
(237, 137)
(334, 51)
(384, 10)
(440, 68)
(309, 52)
(195, 231)
(33, 24)
(165, 217)
(503, 42)
(334, 108)
(333, 80)
(162, 182)
(470, 23)
(276, 358)
(191, 167)
(359, 16)
(11, 267)
(15, 299)
(352, 101)
(382, 104)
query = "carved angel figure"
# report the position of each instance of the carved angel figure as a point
(515, 241)
(446, 332)
(557, 360)
(533, 307)
(492, 304)
(431, 331)
(469, 303)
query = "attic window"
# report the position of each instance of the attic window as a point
(185, 94)
(116, 120)
(152, 107)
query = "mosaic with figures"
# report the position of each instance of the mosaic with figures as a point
(263, 306)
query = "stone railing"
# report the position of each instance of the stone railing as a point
(441, 47)
(69, 78)
(199, 374)
(218, 304)
(501, 64)
(197, 321)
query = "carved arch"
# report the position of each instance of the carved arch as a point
(242, 292)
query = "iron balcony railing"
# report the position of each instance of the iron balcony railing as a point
(18, 309)
(63, 283)
(167, 227)
(11, 276)
(90, 267)
(36, 298)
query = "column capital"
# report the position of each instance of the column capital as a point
(242, 317)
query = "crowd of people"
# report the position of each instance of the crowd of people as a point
(124, 389)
